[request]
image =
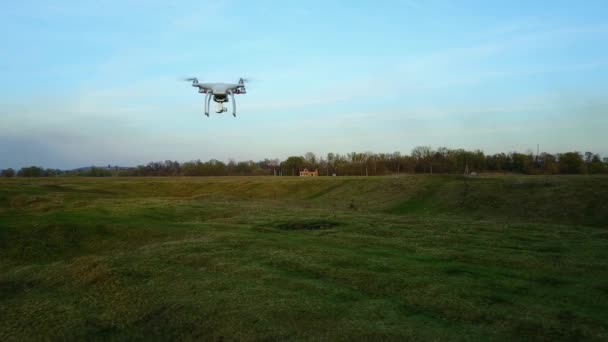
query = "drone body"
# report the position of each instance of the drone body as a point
(219, 92)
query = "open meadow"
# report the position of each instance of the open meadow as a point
(287, 258)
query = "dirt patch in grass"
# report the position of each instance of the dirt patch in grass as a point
(307, 225)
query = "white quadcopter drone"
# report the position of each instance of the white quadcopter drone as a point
(219, 92)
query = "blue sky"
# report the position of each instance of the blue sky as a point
(95, 82)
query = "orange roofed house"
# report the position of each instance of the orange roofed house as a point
(305, 172)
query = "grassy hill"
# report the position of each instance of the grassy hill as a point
(330, 258)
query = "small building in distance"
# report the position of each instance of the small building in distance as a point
(305, 172)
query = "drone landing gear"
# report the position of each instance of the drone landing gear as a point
(207, 103)
(233, 104)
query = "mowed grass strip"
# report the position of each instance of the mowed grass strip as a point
(286, 258)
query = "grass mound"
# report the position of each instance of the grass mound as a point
(331, 258)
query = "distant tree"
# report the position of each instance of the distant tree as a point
(244, 168)
(479, 160)
(51, 172)
(191, 168)
(8, 173)
(422, 159)
(548, 163)
(571, 162)
(95, 171)
(231, 167)
(215, 167)
(395, 162)
(267, 167)
(371, 163)
(441, 162)
(355, 164)
(408, 164)
(293, 165)
(523, 163)
(423, 156)
(497, 162)
(381, 163)
(331, 162)
(323, 166)
(596, 166)
(460, 160)
(31, 171)
(311, 160)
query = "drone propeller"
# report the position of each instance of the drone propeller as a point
(244, 80)
(190, 79)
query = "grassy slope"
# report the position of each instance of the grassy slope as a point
(198, 258)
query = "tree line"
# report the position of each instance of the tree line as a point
(422, 159)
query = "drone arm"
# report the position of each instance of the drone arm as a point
(208, 86)
(233, 104)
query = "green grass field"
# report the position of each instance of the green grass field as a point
(330, 258)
